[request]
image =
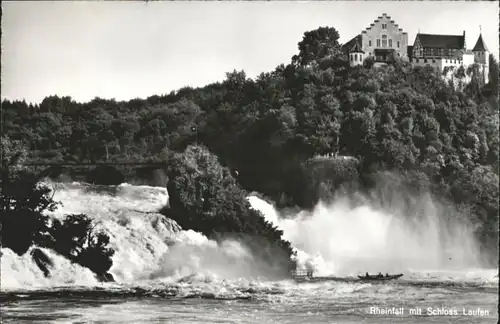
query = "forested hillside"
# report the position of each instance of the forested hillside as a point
(395, 117)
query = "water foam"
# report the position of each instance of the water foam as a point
(20, 272)
(340, 238)
(348, 238)
(149, 247)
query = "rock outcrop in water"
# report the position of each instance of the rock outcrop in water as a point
(105, 277)
(42, 261)
(206, 198)
(46, 265)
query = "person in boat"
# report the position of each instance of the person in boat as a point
(380, 275)
(367, 275)
(386, 275)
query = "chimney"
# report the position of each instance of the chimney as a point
(465, 47)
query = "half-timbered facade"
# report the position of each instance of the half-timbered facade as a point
(429, 45)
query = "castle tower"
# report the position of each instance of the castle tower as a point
(356, 55)
(482, 56)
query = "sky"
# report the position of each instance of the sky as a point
(125, 50)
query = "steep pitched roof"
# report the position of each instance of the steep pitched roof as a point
(356, 48)
(350, 44)
(442, 41)
(480, 45)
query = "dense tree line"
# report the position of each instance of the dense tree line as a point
(265, 130)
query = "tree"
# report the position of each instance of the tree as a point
(76, 238)
(316, 45)
(23, 201)
(206, 198)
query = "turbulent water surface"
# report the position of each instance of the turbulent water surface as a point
(168, 275)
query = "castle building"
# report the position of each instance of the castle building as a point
(384, 40)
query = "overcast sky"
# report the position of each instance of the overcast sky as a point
(126, 50)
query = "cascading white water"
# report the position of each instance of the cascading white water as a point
(342, 239)
(148, 246)
(21, 272)
(347, 238)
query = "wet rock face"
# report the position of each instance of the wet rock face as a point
(105, 277)
(164, 225)
(45, 264)
(42, 261)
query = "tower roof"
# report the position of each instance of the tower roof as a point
(480, 46)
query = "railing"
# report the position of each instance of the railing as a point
(93, 163)
(301, 273)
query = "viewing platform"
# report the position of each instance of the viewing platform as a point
(308, 276)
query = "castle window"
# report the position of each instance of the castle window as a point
(369, 53)
(433, 61)
(370, 43)
(384, 40)
(384, 26)
(425, 60)
(399, 54)
(355, 57)
(378, 42)
(390, 42)
(398, 44)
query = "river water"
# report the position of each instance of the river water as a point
(168, 275)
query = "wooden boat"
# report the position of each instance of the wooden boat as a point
(380, 277)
